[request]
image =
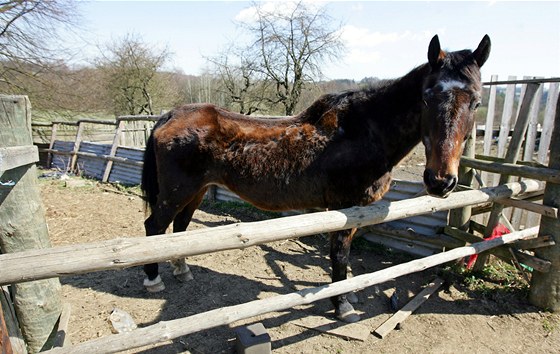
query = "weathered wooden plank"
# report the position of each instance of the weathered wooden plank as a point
(507, 115)
(408, 309)
(166, 330)
(16, 156)
(126, 252)
(548, 122)
(489, 125)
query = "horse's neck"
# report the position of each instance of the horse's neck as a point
(402, 119)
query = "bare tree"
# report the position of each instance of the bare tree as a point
(242, 82)
(292, 41)
(29, 38)
(131, 72)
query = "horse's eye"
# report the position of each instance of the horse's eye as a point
(474, 105)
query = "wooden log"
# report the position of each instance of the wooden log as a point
(166, 330)
(16, 156)
(502, 160)
(539, 173)
(23, 227)
(534, 207)
(537, 242)
(408, 309)
(127, 252)
(544, 286)
(539, 264)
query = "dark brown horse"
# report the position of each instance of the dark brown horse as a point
(337, 153)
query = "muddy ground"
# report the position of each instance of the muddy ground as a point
(468, 315)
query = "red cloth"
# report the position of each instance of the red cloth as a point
(498, 231)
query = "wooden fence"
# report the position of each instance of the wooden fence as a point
(119, 159)
(126, 252)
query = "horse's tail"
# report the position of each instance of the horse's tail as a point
(149, 185)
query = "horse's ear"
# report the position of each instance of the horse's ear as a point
(483, 51)
(435, 54)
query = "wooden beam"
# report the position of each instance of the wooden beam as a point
(530, 206)
(127, 252)
(408, 309)
(539, 173)
(166, 330)
(16, 156)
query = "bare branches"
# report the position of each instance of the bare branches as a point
(131, 70)
(290, 43)
(29, 34)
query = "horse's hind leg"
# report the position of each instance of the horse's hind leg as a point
(169, 203)
(181, 270)
(340, 242)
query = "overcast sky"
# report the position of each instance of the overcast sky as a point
(383, 39)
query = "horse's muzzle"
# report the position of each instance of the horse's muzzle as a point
(437, 186)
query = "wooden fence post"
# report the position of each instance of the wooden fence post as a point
(460, 218)
(545, 287)
(54, 129)
(113, 152)
(77, 143)
(23, 226)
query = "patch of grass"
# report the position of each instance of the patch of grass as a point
(549, 324)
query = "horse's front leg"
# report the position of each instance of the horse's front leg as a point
(340, 251)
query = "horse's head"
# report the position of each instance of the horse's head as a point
(452, 93)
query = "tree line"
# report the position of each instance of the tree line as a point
(276, 72)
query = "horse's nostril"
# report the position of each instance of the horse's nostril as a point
(450, 183)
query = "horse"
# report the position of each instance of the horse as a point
(337, 153)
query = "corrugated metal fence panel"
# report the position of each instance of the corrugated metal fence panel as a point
(125, 173)
(61, 162)
(91, 166)
(407, 189)
(423, 231)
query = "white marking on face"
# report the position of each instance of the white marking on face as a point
(451, 85)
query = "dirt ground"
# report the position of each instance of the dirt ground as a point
(468, 315)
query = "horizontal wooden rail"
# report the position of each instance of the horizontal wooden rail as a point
(542, 174)
(16, 156)
(166, 330)
(127, 252)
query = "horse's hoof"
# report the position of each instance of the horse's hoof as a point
(154, 286)
(349, 317)
(352, 298)
(184, 277)
(345, 312)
